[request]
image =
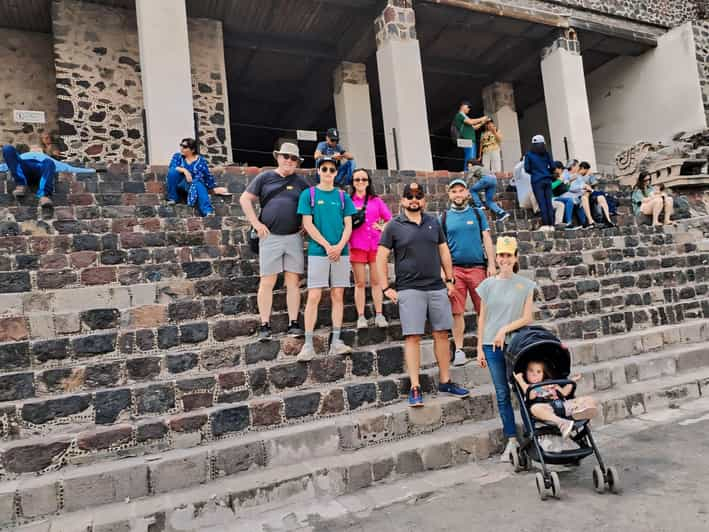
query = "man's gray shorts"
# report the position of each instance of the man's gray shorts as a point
(325, 274)
(281, 253)
(415, 305)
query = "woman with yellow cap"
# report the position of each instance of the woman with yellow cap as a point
(506, 305)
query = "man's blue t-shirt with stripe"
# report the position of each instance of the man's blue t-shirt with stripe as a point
(463, 231)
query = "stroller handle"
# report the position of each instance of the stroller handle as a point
(558, 382)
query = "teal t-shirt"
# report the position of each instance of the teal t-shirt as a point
(463, 231)
(328, 216)
(504, 302)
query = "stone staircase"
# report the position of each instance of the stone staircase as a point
(132, 389)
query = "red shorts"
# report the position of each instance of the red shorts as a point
(362, 256)
(466, 281)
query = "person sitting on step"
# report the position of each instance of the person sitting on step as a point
(485, 182)
(188, 173)
(649, 201)
(35, 167)
(591, 195)
(331, 147)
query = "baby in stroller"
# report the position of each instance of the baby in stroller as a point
(549, 403)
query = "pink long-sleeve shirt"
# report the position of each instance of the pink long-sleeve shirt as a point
(366, 237)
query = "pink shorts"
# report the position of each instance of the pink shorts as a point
(362, 256)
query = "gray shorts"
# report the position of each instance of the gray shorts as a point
(281, 253)
(415, 305)
(325, 274)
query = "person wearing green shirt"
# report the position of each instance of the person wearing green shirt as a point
(327, 218)
(467, 129)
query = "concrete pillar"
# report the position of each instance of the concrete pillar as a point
(566, 100)
(401, 87)
(353, 111)
(165, 74)
(499, 104)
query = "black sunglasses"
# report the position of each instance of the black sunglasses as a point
(184, 146)
(328, 169)
(291, 157)
(360, 180)
(411, 195)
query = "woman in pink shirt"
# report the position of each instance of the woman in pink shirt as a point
(363, 245)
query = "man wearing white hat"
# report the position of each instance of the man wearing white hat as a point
(278, 227)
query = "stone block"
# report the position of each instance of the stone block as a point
(652, 341)
(388, 391)
(15, 356)
(333, 402)
(437, 456)
(7, 505)
(168, 337)
(297, 447)
(17, 386)
(38, 498)
(359, 476)
(107, 374)
(13, 282)
(328, 369)
(104, 318)
(298, 406)
(11, 304)
(142, 294)
(156, 398)
(143, 368)
(390, 360)
(227, 329)
(258, 381)
(106, 438)
(179, 473)
(34, 457)
(288, 375)
(187, 422)
(111, 486)
(231, 379)
(147, 316)
(150, 430)
(145, 340)
(94, 345)
(361, 394)
(193, 333)
(42, 325)
(67, 323)
(430, 416)
(362, 363)
(229, 420)
(181, 362)
(239, 458)
(13, 329)
(194, 401)
(262, 351)
(108, 404)
(382, 468)
(39, 412)
(99, 275)
(185, 310)
(264, 414)
(409, 462)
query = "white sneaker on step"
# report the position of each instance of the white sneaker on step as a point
(362, 322)
(339, 348)
(510, 447)
(307, 353)
(459, 358)
(381, 321)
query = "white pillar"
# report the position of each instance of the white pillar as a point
(165, 74)
(567, 101)
(401, 88)
(499, 104)
(353, 112)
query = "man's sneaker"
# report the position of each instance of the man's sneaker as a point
(20, 191)
(338, 347)
(572, 227)
(171, 202)
(264, 332)
(362, 322)
(44, 201)
(459, 358)
(453, 389)
(294, 329)
(381, 321)
(415, 397)
(509, 448)
(503, 217)
(546, 228)
(307, 353)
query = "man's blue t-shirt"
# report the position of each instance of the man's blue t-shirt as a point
(464, 238)
(328, 216)
(327, 150)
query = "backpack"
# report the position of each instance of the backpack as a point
(455, 132)
(312, 198)
(480, 226)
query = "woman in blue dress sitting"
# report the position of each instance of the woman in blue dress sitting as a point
(189, 173)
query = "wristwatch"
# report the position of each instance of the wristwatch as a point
(451, 280)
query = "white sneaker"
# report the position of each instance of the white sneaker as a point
(381, 321)
(307, 353)
(460, 359)
(362, 322)
(510, 447)
(339, 348)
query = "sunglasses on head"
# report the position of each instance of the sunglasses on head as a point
(328, 169)
(412, 195)
(184, 146)
(289, 157)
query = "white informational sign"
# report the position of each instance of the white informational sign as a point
(306, 134)
(465, 143)
(29, 117)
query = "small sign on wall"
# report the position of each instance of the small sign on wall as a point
(465, 143)
(29, 117)
(306, 134)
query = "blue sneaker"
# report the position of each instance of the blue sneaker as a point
(415, 397)
(453, 389)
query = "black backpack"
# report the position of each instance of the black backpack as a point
(455, 132)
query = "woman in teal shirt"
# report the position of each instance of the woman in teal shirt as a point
(650, 202)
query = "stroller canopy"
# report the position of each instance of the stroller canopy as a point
(537, 343)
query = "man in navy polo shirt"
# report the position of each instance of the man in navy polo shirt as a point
(420, 252)
(468, 236)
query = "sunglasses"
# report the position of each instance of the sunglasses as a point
(360, 180)
(287, 157)
(328, 169)
(410, 195)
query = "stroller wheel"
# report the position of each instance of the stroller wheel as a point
(539, 478)
(613, 479)
(555, 485)
(599, 482)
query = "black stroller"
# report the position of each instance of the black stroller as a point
(537, 343)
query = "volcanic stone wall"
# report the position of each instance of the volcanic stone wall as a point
(27, 82)
(98, 83)
(668, 13)
(701, 43)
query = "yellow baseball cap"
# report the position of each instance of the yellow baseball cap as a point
(506, 244)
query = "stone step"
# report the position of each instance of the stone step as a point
(602, 366)
(103, 501)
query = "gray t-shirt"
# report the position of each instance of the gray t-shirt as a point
(504, 302)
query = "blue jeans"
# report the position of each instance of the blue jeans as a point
(469, 153)
(26, 172)
(488, 184)
(344, 173)
(568, 208)
(177, 183)
(542, 192)
(498, 371)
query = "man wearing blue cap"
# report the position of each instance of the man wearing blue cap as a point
(331, 147)
(468, 236)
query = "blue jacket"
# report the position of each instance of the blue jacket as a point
(59, 166)
(538, 165)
